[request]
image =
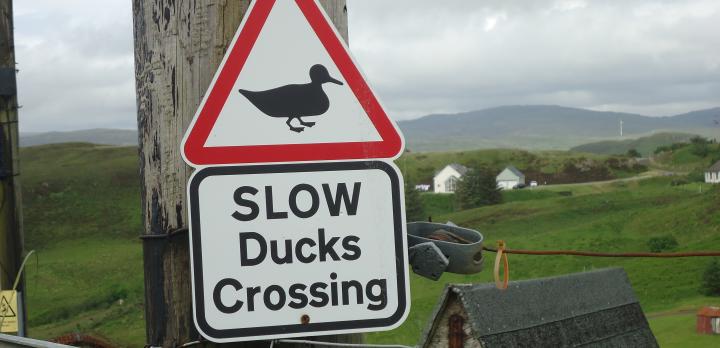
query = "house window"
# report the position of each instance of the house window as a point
(451, 184)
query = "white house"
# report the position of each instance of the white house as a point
(510, 178)
(446, 180)
(712, 174)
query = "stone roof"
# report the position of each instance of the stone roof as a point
(597, 308)
(715, 167)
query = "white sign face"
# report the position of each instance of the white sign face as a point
(270, 66)
(297, 249)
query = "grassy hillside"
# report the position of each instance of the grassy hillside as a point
(82, 215)
(685, 158)
(124, 137)
(645, 145)
(614, 217)
(81, 207)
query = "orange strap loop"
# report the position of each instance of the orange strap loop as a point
(502, 285)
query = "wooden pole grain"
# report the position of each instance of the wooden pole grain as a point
(11, 233)
(178, 47)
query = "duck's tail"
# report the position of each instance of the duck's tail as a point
(245, 92)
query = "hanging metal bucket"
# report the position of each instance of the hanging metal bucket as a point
(435, 248)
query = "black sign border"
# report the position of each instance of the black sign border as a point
(326, 327)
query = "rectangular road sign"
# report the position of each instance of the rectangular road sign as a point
(297, 249)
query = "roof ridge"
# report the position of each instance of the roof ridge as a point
(610, 288)
(715, 167)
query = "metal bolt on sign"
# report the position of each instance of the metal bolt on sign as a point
(435, 248)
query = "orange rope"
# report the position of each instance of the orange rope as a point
(502, 285)
(599, 254)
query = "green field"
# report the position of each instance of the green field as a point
(82, 215)
(614, 217)
(685, 160)
(679, 331)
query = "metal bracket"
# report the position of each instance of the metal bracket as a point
(433, 248)
(436, 248)
(427, 260)
(167, 236)
(8, 87)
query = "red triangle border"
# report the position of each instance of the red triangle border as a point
(197, 154)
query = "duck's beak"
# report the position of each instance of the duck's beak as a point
(330, 79)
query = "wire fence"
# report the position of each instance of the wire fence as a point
(603, 254)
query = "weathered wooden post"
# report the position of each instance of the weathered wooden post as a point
(11, 236)
(179, 45)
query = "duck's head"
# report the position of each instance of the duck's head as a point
(319, 74)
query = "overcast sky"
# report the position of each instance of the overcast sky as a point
(650, 57)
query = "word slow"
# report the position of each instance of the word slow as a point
(245, 197)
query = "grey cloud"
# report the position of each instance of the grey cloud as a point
(76, 64)
(636, 55)
(652, 57)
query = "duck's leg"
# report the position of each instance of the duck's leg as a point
(306, 124)
(294, 129)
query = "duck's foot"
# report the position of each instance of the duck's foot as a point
(294, 129)
(306, 124)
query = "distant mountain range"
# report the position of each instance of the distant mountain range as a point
(95, 136)
(544, 127)
(534, 127)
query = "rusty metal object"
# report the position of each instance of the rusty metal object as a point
(81, 340)
(456, 334)
(447, 236)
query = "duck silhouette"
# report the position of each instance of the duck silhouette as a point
(295, 101)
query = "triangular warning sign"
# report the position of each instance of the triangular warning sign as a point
(6, 309)
(288, 90)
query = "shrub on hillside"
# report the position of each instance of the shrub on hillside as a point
(477, 188)
(414, 209)
(626, 164)
(614, 162)
(711, 279)
(696, 176)
(660, 244)
(678, 146)
(678, 182)
(661, 149)
(633, 153)
(700, 147)
(584, 170)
